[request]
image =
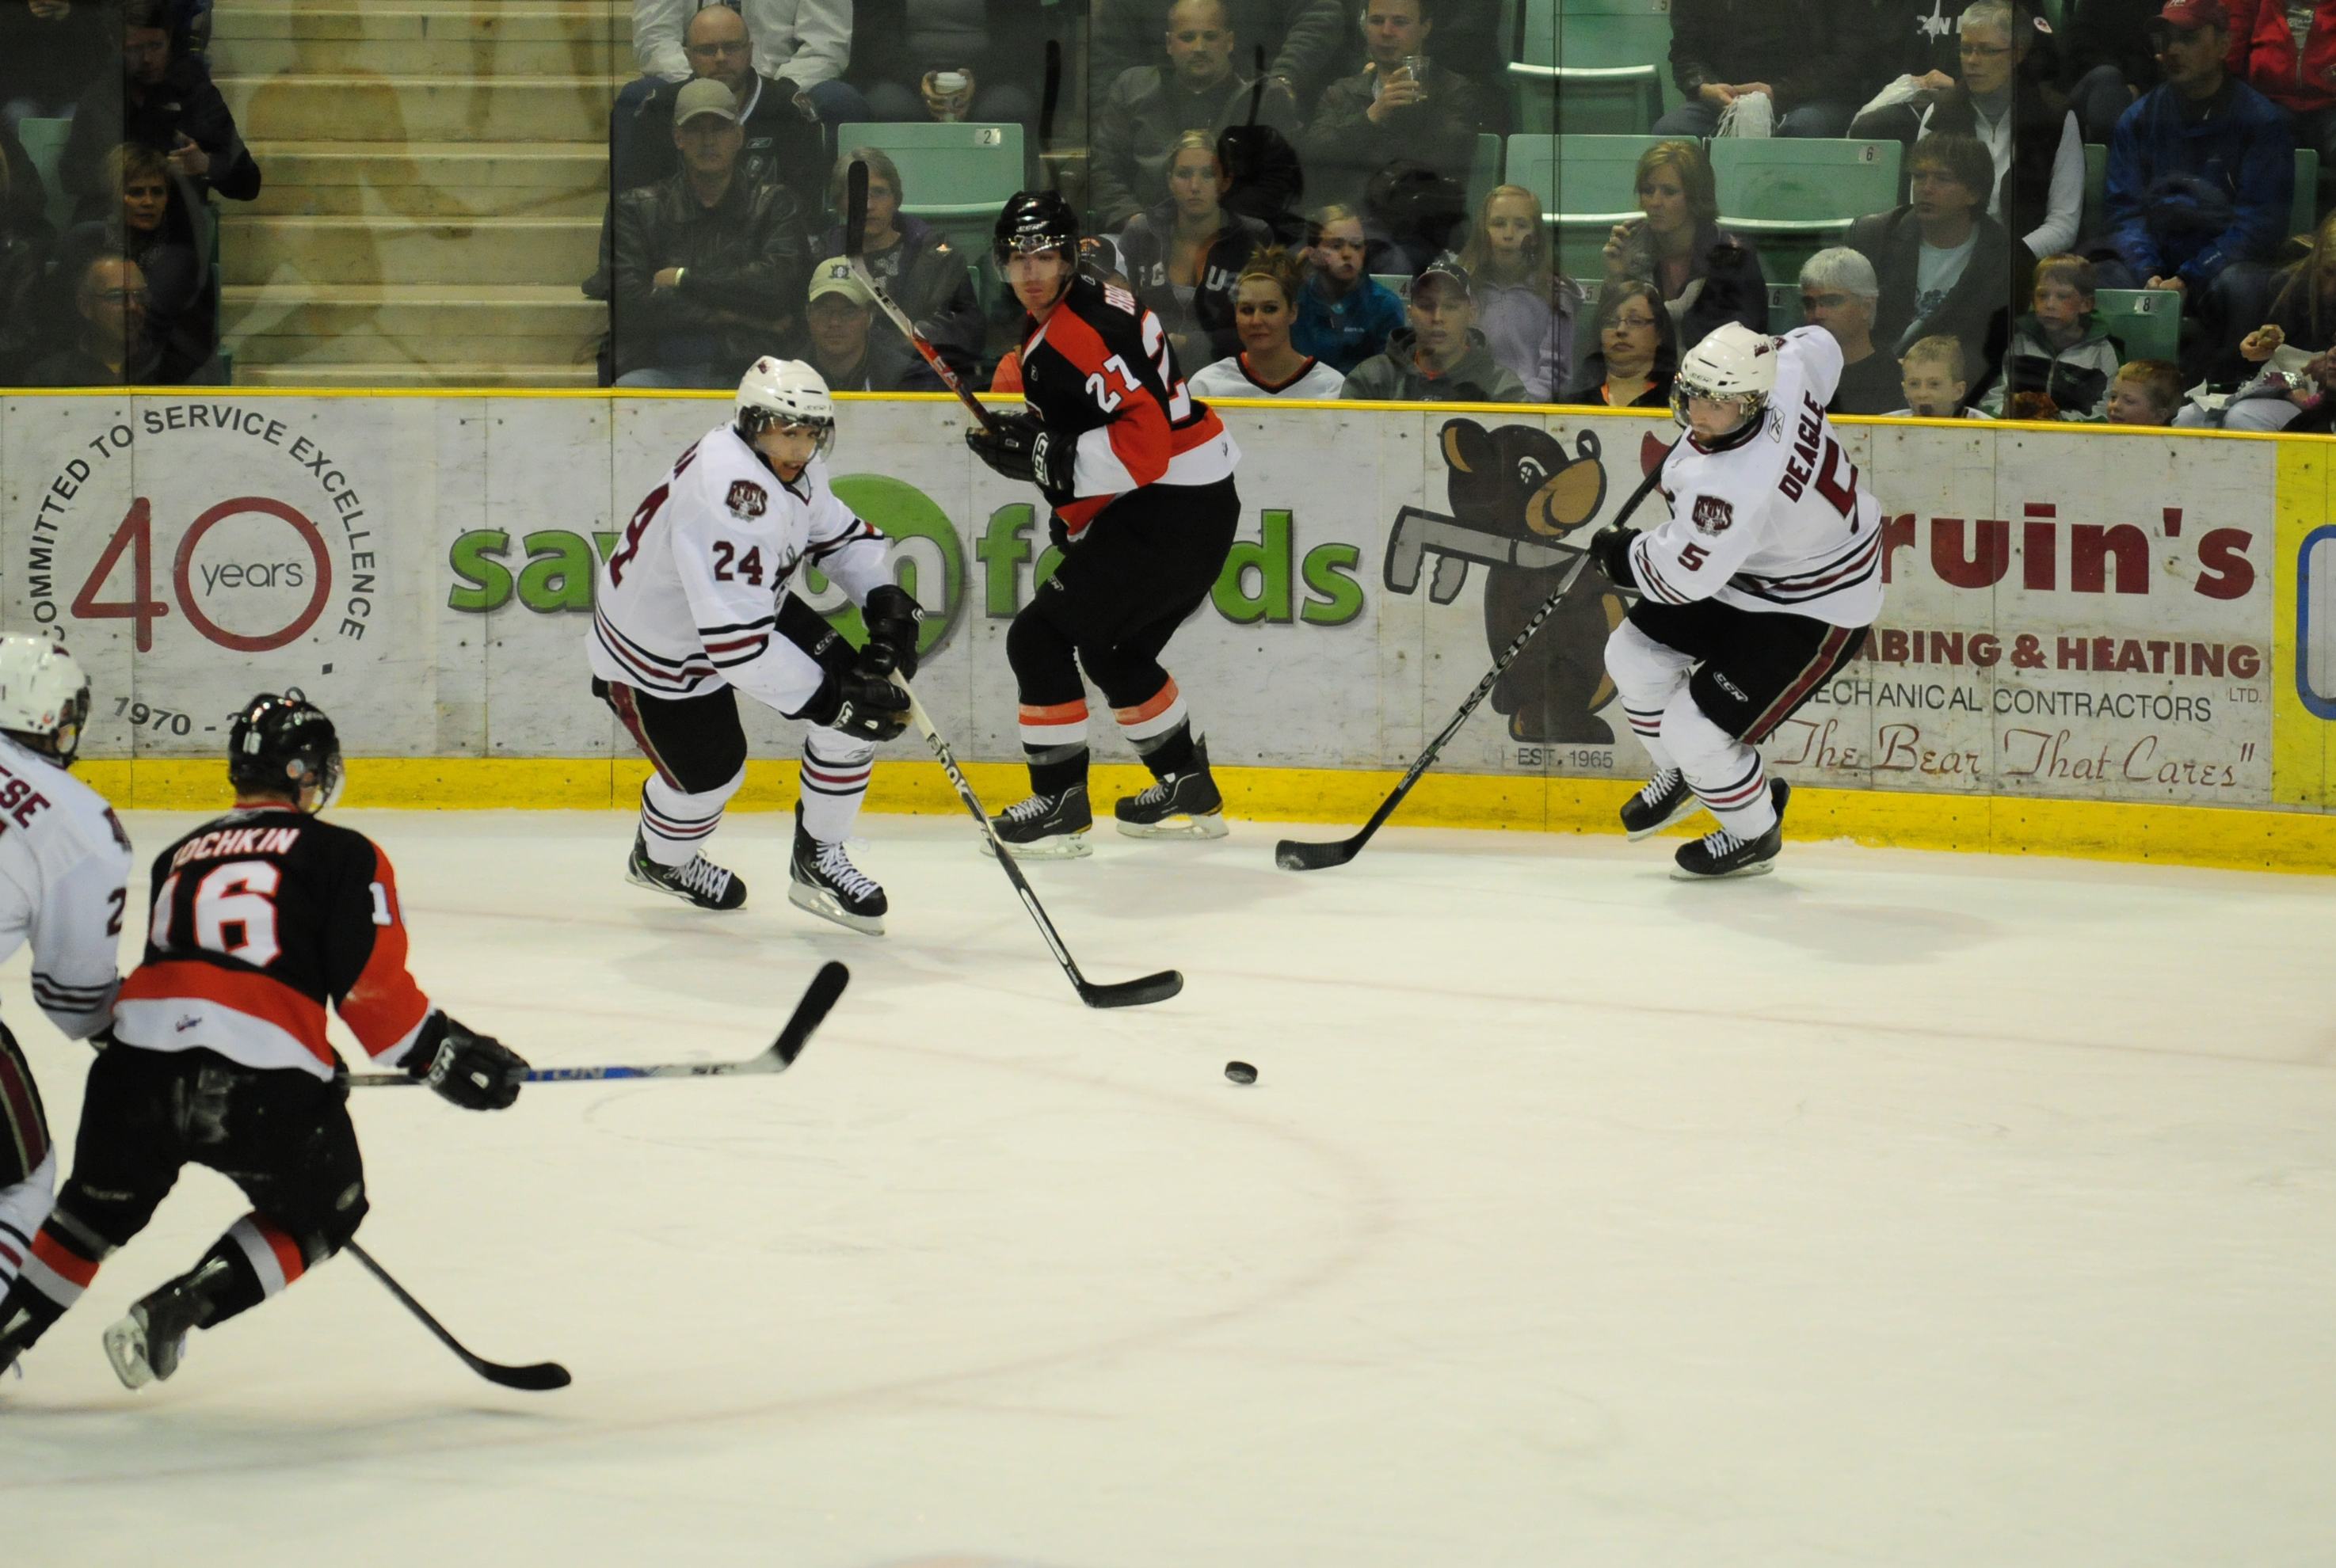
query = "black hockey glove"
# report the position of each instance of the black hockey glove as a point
(860, 705)
(891, 617)
(1020, 448)
(1609, 552)
(475, 1072)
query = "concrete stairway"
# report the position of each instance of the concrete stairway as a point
(434, 176)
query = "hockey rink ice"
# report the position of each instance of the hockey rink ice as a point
(1892, 1209)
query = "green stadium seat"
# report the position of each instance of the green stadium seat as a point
(957, 174)
(1587, 185)
(1795, 196)
(1395, 282)
(44, 143)
(1784, 308)
(1588, 65)
(2147, 321)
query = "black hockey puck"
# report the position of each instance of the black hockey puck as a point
(1241, 1072)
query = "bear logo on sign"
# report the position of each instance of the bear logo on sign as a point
(748, 498)
(1713, 515)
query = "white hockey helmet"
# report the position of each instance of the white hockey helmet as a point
(1730, 363)
(784, 392)
(44, 696)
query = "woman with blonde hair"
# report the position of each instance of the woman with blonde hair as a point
(1524, 306)
(1265, 308)
(1705, 274)
(2298, 331)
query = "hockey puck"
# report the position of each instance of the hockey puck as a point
(1241, 1072)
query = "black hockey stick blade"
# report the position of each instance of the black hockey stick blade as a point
(1141, 992)
(1296, 855)
(540, 1378)
(855, 211)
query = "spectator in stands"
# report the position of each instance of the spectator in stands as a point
(838, 318)
(1305, 40)
(1345, 315)
(1936, 384)
(2201, 170)
(1802, 59)
(1943, 263)
(160, 99)
(921, 271)
(1637, 353)
(1839, 293)
(1144, 111)
(2268, 373)
(2106, 60)
(805, 42)
(1183, 255)
(1524, 305)
(1904, 38)
(708, 267)
(2038, 191)
(1265, 308)
(2061, 359)
(782, 139)
(1440, 357)
(1706, 275)
(25, 198)
(153, 226)
(931, 60)
(112, 347)
(47, 49)
(25, 240)
(2146, 392)
(1398, 139)
(2286, 51)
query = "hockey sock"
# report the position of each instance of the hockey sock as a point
(1160, 730)
(252, 1261)
(835, 770)
(1054, 744)
(23, 1208)
(674, 824)
(63, 1260)
(1648, 675)
(1726, 774)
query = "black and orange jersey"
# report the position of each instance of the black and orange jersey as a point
(261, 918)
(1103, 373)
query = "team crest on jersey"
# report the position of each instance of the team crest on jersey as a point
(1713, 515)
(748, 499)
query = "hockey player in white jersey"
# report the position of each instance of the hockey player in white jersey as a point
(1758, 589)
(696, 600)
(65, 867)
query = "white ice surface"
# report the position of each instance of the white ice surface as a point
(1893, 1209)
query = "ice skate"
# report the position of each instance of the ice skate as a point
(147, 1346)
(1179, 805)
(1723, 854)
(1045, 827)
(823, 880)
(1666, 799)
(700, 881)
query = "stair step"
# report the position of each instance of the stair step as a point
(415, 313)
(402, 373)
(403, 109)
(439, 203)
(359, 250)
(483, 57)
(232, 27)
(369, 348)
(562, 164)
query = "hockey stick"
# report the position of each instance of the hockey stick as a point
(855, 243)
(540, 1378)
(1292, 855)
(1151, 988)
(825, 987)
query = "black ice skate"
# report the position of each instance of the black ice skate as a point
(1723, 854)
(1666, 799)
(1182, 804)
(147, 1346)
(1045, 827)
(823, 881)
(701, 882)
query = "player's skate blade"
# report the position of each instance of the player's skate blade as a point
(1720, 855)
(1045, 827)
(1183, 805)
(699, 882)
(1666, 797)
(822, 881)
(147, 1346)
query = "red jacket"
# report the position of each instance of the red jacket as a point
(2263, 53)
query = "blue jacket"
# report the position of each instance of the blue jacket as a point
(2187, 196)
(1344, 334)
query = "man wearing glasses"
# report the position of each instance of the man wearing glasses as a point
(784, 144)
(113, 347)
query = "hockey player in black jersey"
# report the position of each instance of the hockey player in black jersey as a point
(1140, 480)
(261, 918)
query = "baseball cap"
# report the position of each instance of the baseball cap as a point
(704, 96)
(1445, 266)
(2189, 16)
(835, 276)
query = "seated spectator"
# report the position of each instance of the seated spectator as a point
(838, 316)
(1637, 354)
(111, 346)
(1800, 60)
(1345, 315)
(1526, 307)
(1183, 255)
(805, 42)
(1839, 294)
(708, 265)
(153, 224)
(928, 59)
(2260, 381)
(1907, 38)
(2201, 170)
(1305, 40)
(921, 271)
(1440, 357)
(1265, 308)
(160, 99)
(1143, 111)
(25, 238)
(2106, 61)
(2287, 52)
(1705, 274)
(48, 48)
(2038, 191)
(784, 143)
(2146, 392)
(1397, 139)
(2061, 358)
(1935, 382)
(1943, 263)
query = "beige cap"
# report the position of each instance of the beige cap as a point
(835, 276)
(704, 96)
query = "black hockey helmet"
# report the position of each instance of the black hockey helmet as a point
(282, 743)
(1036, 221)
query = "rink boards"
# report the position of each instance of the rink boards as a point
(2093, 642)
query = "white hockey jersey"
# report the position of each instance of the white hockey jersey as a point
(1781, 523)
(1232, 377)
(687, 602)
(64, 873)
